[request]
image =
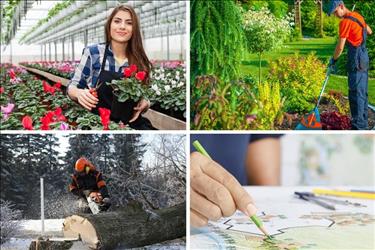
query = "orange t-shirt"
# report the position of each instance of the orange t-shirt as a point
(351, 30)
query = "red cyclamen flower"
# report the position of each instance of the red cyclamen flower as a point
(27, 123)
(141, 75)
(127, 72)
(133, 68)
(48, 88)
(57, 85)
(104, 116)
(12, 74)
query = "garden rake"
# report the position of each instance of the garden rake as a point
(312, 120)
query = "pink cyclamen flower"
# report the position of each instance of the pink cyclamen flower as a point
(64, 126)
(7, 110)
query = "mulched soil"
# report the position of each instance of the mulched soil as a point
(291, 120)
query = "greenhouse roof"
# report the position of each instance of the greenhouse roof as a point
(41, 22)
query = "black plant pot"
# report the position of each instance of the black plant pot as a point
(122, 111)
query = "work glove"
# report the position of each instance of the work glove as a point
(332, 65)
(106, 203)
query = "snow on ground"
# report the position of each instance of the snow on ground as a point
(31, 229)
(36, 225)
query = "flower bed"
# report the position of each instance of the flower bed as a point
(167, 91)
(333, 116)
(62, 69)
(34, 104)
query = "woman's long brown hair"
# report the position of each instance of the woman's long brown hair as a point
(134, 51)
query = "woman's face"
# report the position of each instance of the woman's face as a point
(121, 27)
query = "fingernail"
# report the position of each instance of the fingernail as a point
(251, 209)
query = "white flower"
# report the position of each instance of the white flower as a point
(158, 92)
(155, 87)
(167, 88)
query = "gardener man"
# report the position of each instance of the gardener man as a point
(353, 31)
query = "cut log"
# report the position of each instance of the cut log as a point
(128, 227)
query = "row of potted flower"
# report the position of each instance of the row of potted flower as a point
(167, 85)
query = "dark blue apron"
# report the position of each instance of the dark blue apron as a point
(358, 65)
(120, 111)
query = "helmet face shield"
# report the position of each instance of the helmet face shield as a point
(87, 169)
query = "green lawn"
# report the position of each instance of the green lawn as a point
(323, 48)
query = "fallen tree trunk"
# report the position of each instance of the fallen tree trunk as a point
(128, 227)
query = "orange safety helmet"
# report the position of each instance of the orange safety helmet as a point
(81, 163)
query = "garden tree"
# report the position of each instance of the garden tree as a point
(264, 32)
(216, 43)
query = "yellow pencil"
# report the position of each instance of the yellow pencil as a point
(359, 195)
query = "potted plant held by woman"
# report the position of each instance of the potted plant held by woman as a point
(127, 92)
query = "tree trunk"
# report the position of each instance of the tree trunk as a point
(129, 227)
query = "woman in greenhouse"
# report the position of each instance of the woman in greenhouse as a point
(104, 62)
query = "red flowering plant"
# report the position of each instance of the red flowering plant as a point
(104, 117)
(131, 87)
(52, 118)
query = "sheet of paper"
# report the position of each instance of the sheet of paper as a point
(294, 224)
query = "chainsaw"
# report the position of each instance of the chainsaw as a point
(95, 201)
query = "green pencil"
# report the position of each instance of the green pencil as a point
(254, 218)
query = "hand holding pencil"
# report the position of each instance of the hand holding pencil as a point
(214, 192)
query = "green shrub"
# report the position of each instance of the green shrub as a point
(236, 105)
(269, 109)
(300, 78)
(295, 35)
(330, 25)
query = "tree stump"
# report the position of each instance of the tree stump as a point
(129, 227)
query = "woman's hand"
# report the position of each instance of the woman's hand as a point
(87, 98)
(141, 106)
(214, 192)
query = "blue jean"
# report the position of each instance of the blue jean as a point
(358, 99)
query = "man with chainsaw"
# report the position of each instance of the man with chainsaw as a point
(353, 31)
(87, 183)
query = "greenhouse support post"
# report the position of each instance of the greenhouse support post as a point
(55, 50)
(49, 48)
(42, 203)
(86, 33)
(168, 52)
(72, 47)
(45, 52)
(63, 49)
